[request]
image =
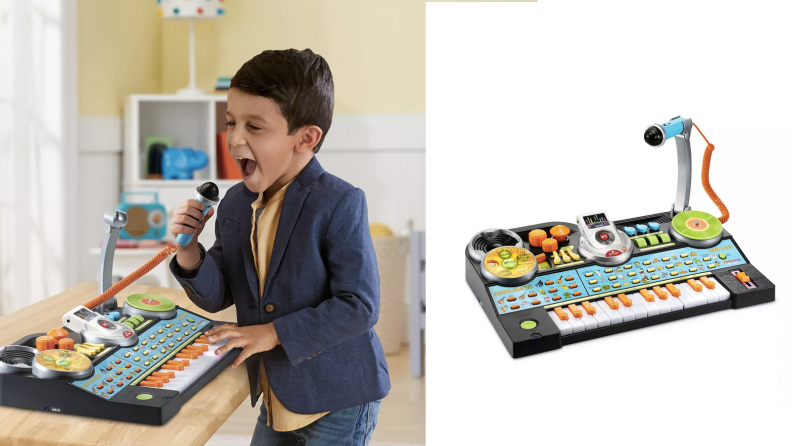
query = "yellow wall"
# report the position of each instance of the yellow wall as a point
(118, 46)
(376, 49)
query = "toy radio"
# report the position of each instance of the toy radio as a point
(551, 284)
(146, 221)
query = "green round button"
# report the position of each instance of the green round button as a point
(528, 325)
(145, 396)
(722, 255)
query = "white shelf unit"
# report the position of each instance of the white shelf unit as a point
(190, 121)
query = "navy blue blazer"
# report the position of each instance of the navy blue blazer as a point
(321, 291)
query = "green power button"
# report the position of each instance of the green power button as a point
(145, 396)
(528, 325)
(722, 255)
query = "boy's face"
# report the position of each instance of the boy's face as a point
(258, 140)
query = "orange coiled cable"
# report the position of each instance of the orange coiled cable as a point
(137, 274)
(705, 165)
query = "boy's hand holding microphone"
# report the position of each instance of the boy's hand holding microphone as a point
(187, 223)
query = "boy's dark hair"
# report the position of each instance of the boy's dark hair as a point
(299, 82)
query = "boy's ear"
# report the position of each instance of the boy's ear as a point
(309, 138)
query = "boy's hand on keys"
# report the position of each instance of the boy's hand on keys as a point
(251, 339)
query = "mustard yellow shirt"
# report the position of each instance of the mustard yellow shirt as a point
(262, 238)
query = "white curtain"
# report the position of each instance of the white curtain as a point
(37, 150)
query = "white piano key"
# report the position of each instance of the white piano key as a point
(687, 300)
(672, 301)
(662, 305)
(197, 368)
(700, 298)
(563, 326)
(588, 320)
(614, 315)
(711, 296)
(626, 312)
(637, 308)
(602, 319)
(577, 325)
(651, 307)
(723, 293)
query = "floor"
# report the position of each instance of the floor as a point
(402, 418)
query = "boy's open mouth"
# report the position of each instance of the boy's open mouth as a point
(246, 166)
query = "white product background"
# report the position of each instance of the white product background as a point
(536, 112)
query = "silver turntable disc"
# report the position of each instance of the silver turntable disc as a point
(62, 364)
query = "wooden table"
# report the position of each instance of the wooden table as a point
(195, 423)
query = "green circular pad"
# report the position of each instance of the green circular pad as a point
(679, 224)
(150, 302)
(528, 325)
(144, 396)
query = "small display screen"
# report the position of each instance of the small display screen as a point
(85, 314)
(596, 221)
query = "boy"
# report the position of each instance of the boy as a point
(294, 254)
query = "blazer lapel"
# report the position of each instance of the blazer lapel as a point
(247, 249)
(292, 204)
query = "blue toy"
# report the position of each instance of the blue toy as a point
(145, 221)
(179, 164)
(209, 195)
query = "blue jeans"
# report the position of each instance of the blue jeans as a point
(347, 427)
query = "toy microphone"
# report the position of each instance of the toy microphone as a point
(656, 135)
(207, 194)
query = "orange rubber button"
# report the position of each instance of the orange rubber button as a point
(511, 299)
(573, 286)
(695, 285)
(549, 245)
(549, 282)
(576, 293)
(660, 292)
(612, 303)
(552, 290)
(173, 366)
(541, 258)
(589, 308)
(531, 294)
(110, 390)
(556, 297)
(515, 307)
(536, 302)
(742, 277)
(708, 283)
(561, 313)
(673, 290)
(569, 279)
(625, 300)
(577, 312)
(100, 386)
(647, 295)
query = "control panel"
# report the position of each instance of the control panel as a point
(156, 345)
(639, 272)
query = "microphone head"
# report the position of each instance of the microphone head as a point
(655, 135)
(210, 192)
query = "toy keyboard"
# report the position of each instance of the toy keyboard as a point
(571, 298)
(144, 383)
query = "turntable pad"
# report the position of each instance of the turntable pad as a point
(509, 261)
(150, 302)
(63, 360)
